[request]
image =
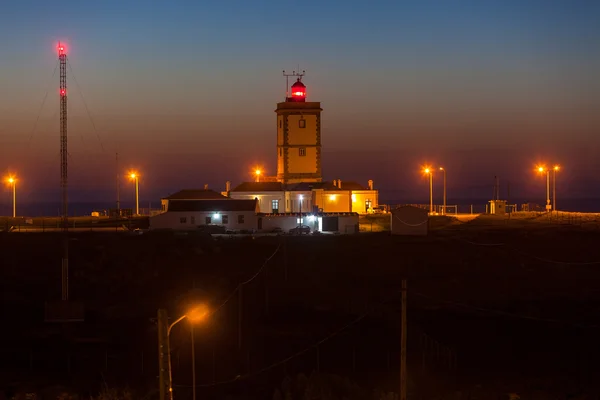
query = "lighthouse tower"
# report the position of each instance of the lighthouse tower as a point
(298, 137)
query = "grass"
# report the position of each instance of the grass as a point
(510, 297)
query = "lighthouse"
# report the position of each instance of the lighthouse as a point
(298, 136)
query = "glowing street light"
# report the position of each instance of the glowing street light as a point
(12, 181)
(135, 177)
(429, 171)
(554, 169)
(194, 315)
(257, 172)
(444, 209)
(541, 169)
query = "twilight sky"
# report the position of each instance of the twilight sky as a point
(185, 92)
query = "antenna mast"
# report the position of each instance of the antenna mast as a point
(287, 80)
(62, 57)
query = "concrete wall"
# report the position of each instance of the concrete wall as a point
(187, 220)
(348, 224)
(286, 222)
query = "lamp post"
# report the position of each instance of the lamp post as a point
(543, 169)
(12, 181)
(257, 173)
(195, 315)
(429, 172)
(556, 168)
(300, 203)
(444, 209)
(135, 177)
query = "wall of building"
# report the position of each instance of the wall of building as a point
(333, 201)
(360, 197)
(298, 164)
(302, 136)
(265, 199)
(285, 222)
(348, 224)
(188, 220)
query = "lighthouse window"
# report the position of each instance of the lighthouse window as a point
(302, 123)
(280, 124)
(302, 151)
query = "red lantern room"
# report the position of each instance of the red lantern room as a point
(298, 91)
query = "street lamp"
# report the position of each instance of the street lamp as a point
(196, 314)
(556, 168)
(429, 171)
(12, 181)
(257, 173)
(135, 177)
(444, 209)
(542, 169)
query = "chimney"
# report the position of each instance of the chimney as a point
(370, 184)
(339, 185)
(206, 186)
(335, 182)
(228, 186)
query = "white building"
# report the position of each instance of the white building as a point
(409, 220)
(188, 214)
(191, 194)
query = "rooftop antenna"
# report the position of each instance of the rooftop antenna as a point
(287, 80)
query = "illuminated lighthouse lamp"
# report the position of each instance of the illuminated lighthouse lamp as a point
(298, 91)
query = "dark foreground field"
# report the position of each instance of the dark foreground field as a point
(493, 308)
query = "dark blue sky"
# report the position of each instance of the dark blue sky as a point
(185, 91)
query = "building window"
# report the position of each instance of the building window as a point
(241, 219)
(182, 220)
(225, 219)
(302, 151)
(208, 220)
(280, 152)
(275, 206)
(280, 124)
(164, 207)
(302, 123)
(193, 220)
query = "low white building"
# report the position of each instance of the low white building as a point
(345, 223)
(191, 194)
(409, 220)
(184, 214)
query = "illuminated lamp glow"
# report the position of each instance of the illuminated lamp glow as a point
(216, 215)
(311, 217)
(63, 92)
(299, 93)
(332, 197)
(353, 198)
(301, 197)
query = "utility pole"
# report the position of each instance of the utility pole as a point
(193, 364)
(240, 315)
(62, 57)
(118, 187)
(403, 345)
(163, 355)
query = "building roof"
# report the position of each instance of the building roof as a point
(259, 187)
(221, 205)
(195, 194)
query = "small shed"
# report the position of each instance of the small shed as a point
(497, 207)
(409, 220)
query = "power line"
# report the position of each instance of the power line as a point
(517, 250)
(41, 108)
(301, 352)
(258, 272)
(500, 312)
(86, 106)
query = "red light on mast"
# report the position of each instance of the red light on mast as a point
(61, 49)
(63, 92)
